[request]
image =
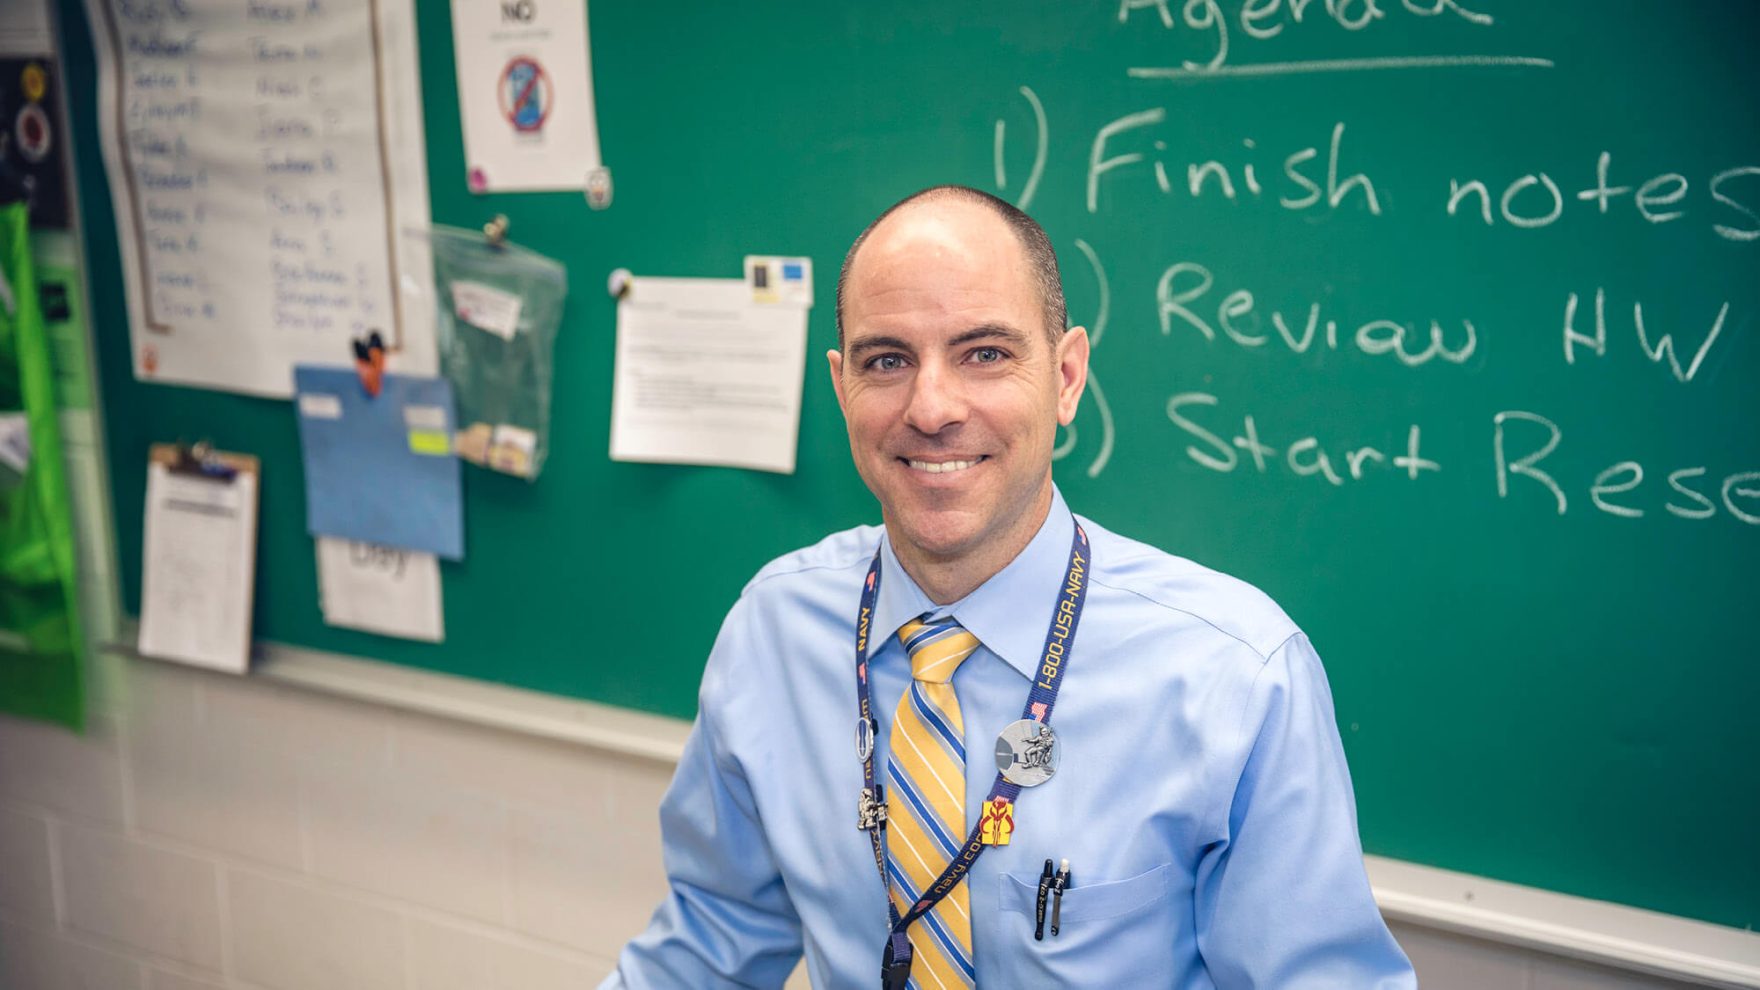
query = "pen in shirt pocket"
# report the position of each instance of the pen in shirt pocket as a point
(1058, 886)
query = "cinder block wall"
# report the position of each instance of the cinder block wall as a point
(217, 832)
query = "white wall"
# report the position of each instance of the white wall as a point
(222, 832)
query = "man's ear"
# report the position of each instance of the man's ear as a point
(834, 358)
(1072, 373)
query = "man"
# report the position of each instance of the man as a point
(1197, 807)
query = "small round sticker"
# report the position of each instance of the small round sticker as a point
(1026, 753)
(34, 81)
(32, 130)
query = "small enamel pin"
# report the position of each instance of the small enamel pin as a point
(996, 824)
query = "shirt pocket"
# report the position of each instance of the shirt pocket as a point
(1118, 933)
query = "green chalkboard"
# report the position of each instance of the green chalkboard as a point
(1530, 602)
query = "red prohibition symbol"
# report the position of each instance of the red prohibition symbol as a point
(525, 94)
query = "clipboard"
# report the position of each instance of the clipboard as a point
(198, 562)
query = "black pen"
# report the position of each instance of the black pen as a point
(1057, 888)
(1039, 910)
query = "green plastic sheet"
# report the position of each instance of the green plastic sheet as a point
(41, 649)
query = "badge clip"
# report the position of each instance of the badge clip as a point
(871, 808)
(895, 968)
(864, 738)
(200, 461)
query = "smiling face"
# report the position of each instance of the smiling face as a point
(951, 387)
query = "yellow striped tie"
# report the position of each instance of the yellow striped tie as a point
(926, 811)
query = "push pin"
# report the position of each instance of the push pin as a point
(618, 284)
(495, 231)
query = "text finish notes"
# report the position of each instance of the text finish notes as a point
(263, 159)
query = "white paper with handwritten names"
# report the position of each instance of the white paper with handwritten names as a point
(264, 158)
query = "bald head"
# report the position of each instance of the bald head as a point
(1038, 260)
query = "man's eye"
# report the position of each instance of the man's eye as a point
(887, 362)
(986, 355)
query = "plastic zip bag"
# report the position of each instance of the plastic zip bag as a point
(499, 307)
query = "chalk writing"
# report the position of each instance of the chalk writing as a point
(1663, 350)
(1212, 23)
(1610, 491)
(1185, 282)
(1297, 183)
(1165, 152)
(1535, 200)
(1305, 457)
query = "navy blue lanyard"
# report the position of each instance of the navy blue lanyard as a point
(1053, 666)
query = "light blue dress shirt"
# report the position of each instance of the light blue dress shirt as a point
(1202, 798)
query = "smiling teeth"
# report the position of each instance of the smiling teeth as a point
(942, 467)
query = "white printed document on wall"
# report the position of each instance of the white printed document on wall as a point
(380, 589)
(709, 370)
(198, 564)
(525, 96)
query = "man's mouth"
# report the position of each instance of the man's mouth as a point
(943, 467)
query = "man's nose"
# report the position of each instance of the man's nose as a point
(938, 399)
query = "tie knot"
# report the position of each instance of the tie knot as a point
(936, 648)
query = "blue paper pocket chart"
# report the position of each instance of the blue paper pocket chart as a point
(380, 470)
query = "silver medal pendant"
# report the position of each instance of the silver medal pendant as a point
(1026, 753)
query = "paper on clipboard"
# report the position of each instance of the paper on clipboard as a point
(199, 560)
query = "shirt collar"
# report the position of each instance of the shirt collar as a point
(1004, 611)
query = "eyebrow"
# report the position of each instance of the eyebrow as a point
(983, 331)
(990, 331)
(866, 345)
